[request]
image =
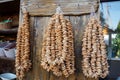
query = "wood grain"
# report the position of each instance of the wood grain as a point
(69, 7)
(38, 26)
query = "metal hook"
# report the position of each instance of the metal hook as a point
(92, 7)
(92, 10)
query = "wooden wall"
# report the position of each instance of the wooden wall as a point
(38, 24)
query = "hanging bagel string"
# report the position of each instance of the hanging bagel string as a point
(23, 62)
(57, 49)
(94, 63)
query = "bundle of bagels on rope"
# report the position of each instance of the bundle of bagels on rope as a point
(58, 47)
(94, 63)
(23, 62)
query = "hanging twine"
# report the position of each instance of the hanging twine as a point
(93, 14)
(94, 63)
(57, 48)
(24, 7)
(59, 10)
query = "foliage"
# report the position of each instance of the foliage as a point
(116, 45)
(116, 42)
(118, 28)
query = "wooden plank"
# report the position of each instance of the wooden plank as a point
(48, 7)
(32, 50)
(58, 1)
(42, 26)
(79, 23)
(38, 73)
(38, 26)
(78, 28)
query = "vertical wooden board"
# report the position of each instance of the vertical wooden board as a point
(72, 77)
(32, 49)
(40, 73)
(53, 77)
(36, 56)
(38, 25)
(77, 25)
(32, 21)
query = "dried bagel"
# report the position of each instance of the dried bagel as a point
(94, 63)
(57, 49)
(23, 62)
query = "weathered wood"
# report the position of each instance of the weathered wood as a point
(58, 1)
(38, 26)
(69, 7)
(32, 49)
